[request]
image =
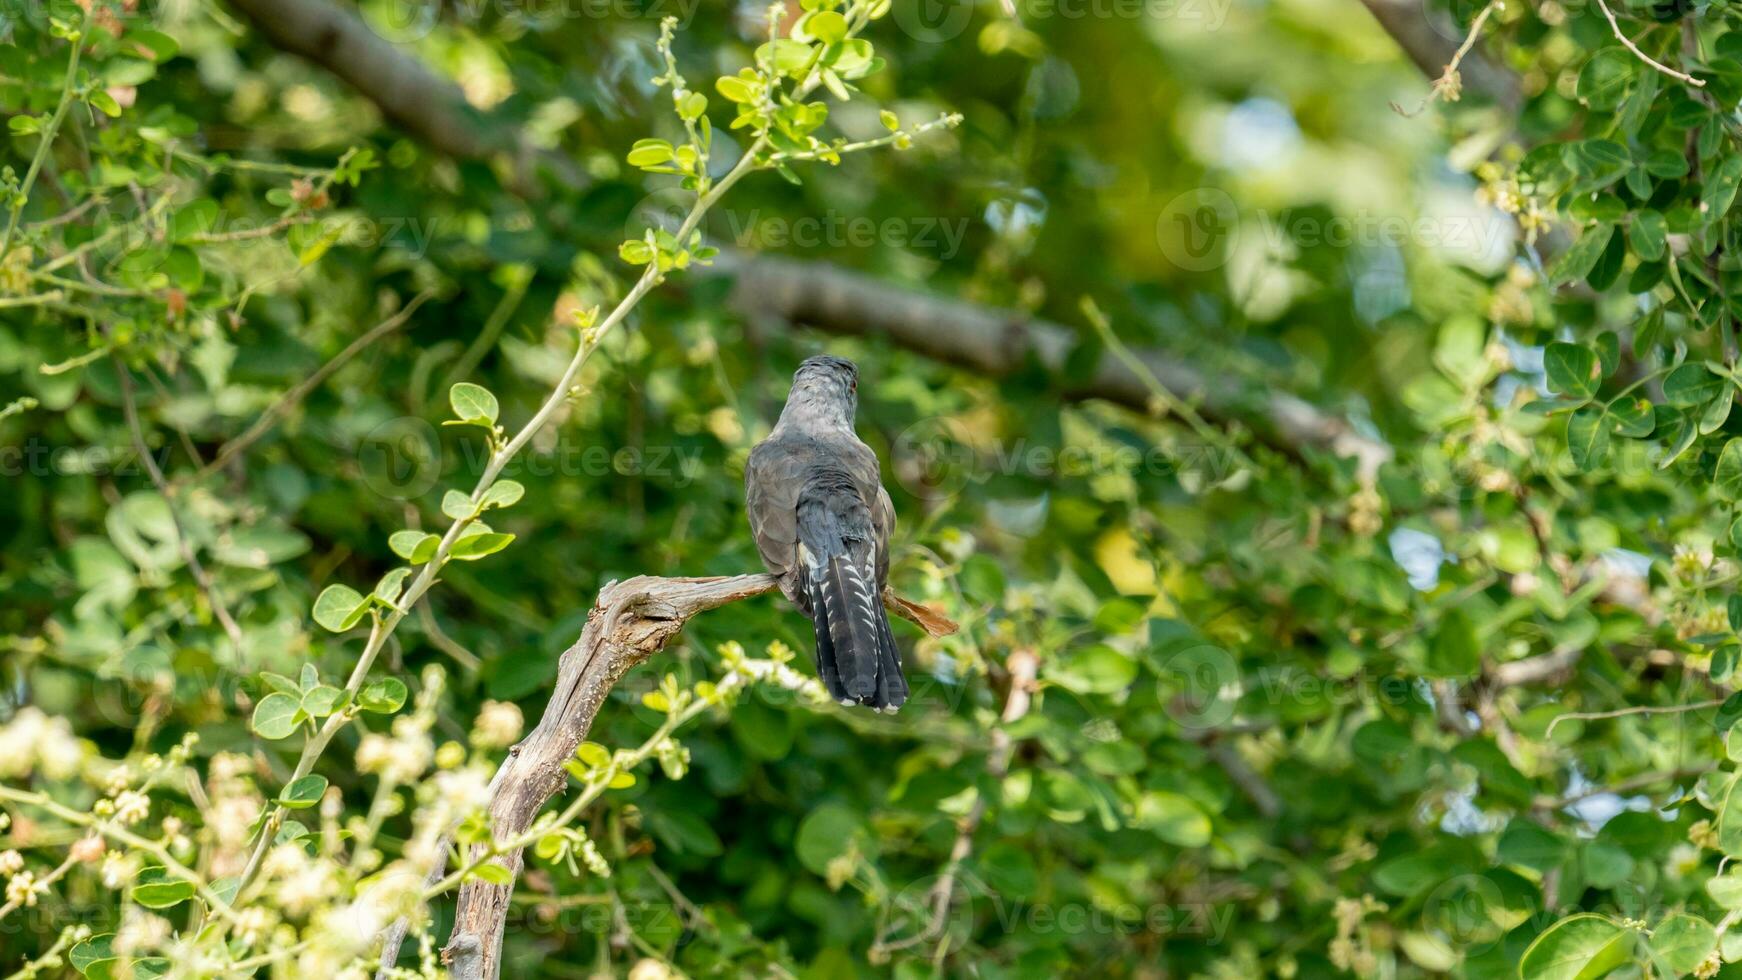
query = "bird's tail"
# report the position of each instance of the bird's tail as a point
(856, 654)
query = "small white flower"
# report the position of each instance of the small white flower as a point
(252, 924)
(141, 932)
(498, 726)
(131, 807)
(22, 890)
(11, 862)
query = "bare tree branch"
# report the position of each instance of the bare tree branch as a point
(428, 106)
(432, 109)
(997, 343)
(631, 621)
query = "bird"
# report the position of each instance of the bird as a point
(821, 521)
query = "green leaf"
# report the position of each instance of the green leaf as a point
(1632, 416)
(339, 607)
(1603, 81)
(647, 153)
(1571, 369)
(1727, 481)
(1729, 822)
(383, 697)
(1647, 235)
(92, 951)
(320, 700)
(1581, 257)
(1097, 669)
(502, 493)
(391, 584)
(473, 403)
(476, 546)
(416, 547)
(1526, 843)
(1719, 191)
(1682, 942)
(1588, 432)
(457, 504)
(1691, 384)
(155, 888)
(826, 833)
(1172, 817)
(1579, 947)
(826, 26)
(736, 89)
(684, 831)
(1456, 649)
(1726, 890)
(304, 793)
(1609, 264)
(276, 716)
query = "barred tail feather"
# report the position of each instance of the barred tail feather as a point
(891, 685)
(826, 670)
(852, 612)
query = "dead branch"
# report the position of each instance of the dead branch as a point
(632, 620)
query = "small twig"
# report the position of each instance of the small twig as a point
(1641, 709)
(445, 643)
(1450, 85)
(1628, 785)
(1627, 43)
(1023, 666)
(230, 450)
(204, 581)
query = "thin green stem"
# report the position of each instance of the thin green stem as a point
(121, 835)
(42, 150)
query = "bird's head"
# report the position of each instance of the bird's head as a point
(826, 388)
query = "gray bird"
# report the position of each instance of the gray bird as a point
(821, 520)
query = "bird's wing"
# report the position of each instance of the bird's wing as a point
(773, 477)
(883, 520)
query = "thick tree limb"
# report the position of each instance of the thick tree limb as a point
(631, 621)
(432, 109)
(996, 343)
(428, 106)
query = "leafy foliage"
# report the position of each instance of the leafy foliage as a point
(276, 601)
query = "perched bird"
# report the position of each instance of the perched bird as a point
(821, 520)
